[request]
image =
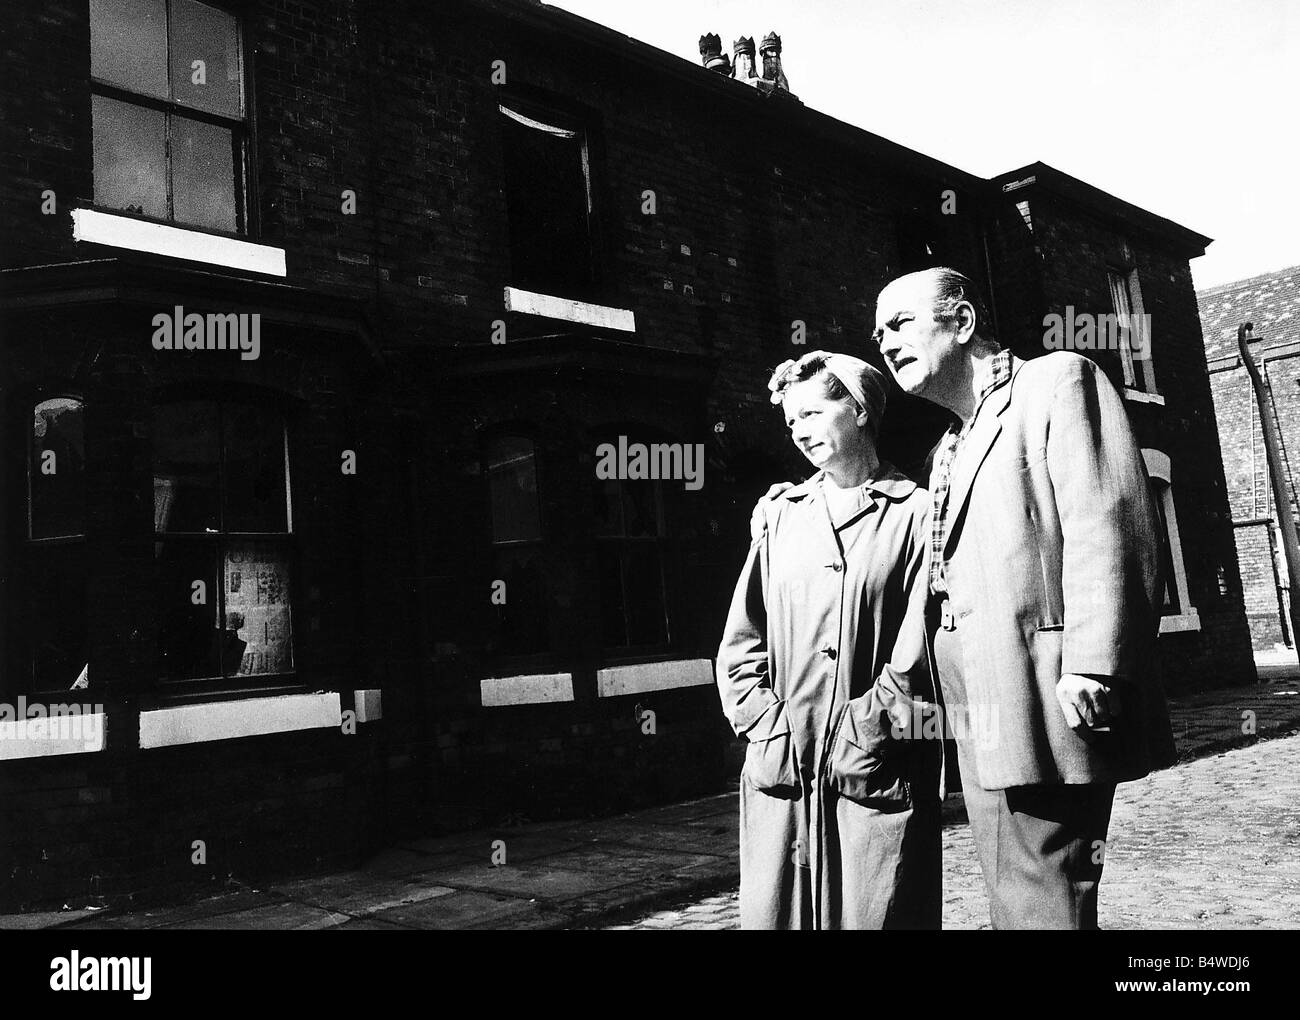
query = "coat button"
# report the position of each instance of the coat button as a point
(829, 652)
(837, 567)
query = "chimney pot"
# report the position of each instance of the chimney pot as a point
(744, 62)
(711, 54)
(771, 54)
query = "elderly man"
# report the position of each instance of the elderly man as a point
(1044, 584)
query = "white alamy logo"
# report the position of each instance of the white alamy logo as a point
(676, 461)
(75, 973)
(1085, 331)
(212, 332)
(27, 721)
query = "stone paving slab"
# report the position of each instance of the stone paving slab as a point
(273, 917)
(464, 909)
(360, 893)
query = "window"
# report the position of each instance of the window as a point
(222, 525)
(168, 112)
(920, 244)
(1134, 332)
(548, 201)
(521, 618)
(629, 519)
(52, 631)
(1177, 612)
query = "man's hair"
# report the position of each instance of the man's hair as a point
(950, 289)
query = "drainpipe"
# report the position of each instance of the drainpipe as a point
(1277, 476)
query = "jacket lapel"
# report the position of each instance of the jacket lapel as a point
(975, 448)
(828, 548)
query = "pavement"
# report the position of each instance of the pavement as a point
(1205, 813)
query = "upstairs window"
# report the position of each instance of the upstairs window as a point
(1134, 334)
(52, 609)
(168, 112)
(516, 517)
(222, 541)
(548, 201)
(920, 242)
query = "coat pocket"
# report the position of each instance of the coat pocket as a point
(870, 766)
(769, 758)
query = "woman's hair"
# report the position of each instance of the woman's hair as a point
(813, 366)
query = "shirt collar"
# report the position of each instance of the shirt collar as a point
(999, 374)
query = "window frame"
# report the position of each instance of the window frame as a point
(1138, 373)
(241, 129)
(1185, 617)
(171, 690)
(665, 545)
(511, 660)
(527, 106)
(31, 545)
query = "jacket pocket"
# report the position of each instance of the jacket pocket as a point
(868, 765)
(769, 758)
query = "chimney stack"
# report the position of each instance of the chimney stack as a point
(770, 50)
(711, 54)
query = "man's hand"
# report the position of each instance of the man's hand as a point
(1086, 701)
(756, 517)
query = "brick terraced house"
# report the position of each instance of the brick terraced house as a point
(1271, 304)
(315, 315)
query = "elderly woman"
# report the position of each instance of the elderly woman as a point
(824, 668)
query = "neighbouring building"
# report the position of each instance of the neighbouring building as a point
(317, 318)
(1271, 304)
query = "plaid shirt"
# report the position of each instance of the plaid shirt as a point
(941, 476)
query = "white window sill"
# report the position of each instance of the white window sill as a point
(1190, 620)
(536, 689)
(551, 307)
(41, 738)
(97, 227)
(614, 681)
(230, 720)
(1143, 397)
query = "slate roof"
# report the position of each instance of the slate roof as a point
(1270, 301)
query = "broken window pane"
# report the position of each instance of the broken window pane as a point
(205, 60)
(608, 510)
(128, 44)
(190, 643)
(521, 621)
(55, 610)
(1159, 493)
(187, 467)
(57, 469)
(644, 590)
(512, 484)
(548, 201)
(256, 494)
(258, 627)
(204, 175)
(130, 157)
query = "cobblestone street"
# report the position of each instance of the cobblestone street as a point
(1213, 843)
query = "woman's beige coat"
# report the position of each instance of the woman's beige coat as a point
(825, 638)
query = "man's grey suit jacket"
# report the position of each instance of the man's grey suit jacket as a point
(1052, 563)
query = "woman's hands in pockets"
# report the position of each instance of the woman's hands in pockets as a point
(770, 764)
(869, 760)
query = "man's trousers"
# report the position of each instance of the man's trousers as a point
(1041, 848)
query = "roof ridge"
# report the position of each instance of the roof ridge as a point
(1218, 287)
